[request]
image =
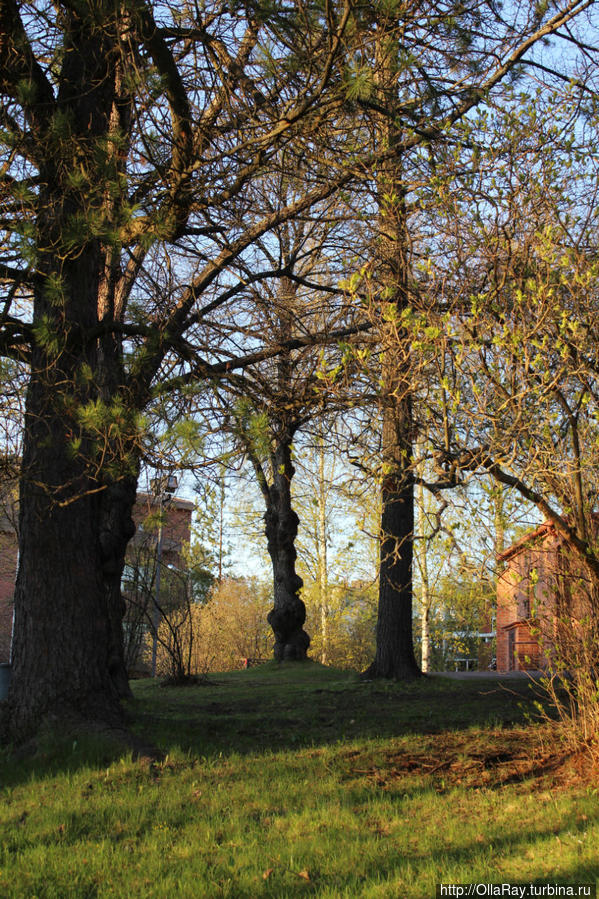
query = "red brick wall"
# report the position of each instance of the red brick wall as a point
(8, 570)
(176, 533)
(521, 596)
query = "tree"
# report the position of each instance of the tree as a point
(274, 399)
(210, 529)
(319, 527)
(394, 655)
(419, 78)
(159, 608)
(335, 552)
(522, 325)
(523, 396)
(130, 133)
(222, 633)
(351, 621)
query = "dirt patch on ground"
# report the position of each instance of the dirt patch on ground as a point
(489, 759)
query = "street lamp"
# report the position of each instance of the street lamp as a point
(161, 488)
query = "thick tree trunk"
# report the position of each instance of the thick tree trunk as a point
(67, 654)
(394, 656)
(65, 624)
(68, 649)
(62, 634)
(289, 612)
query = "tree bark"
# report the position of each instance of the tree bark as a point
(74, 526)
(394, 657)
(68, 652)
(289, 612)
(63, 640)
(65, 617)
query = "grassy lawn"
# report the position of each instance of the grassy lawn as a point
(298, 781)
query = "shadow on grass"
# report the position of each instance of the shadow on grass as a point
(403, 863)
(400, 863)
(273, 708)
(391, 860)
(58, 753)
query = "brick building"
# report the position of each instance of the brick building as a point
(176, 533)
(9, 553)
(541, 588)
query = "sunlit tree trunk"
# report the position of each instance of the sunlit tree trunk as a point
(323, 574)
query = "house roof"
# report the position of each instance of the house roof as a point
(543, 529)
(547, 527)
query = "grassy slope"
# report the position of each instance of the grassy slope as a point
(301, 781)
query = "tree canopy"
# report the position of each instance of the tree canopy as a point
(140, 146)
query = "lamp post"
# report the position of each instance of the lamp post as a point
(161, 487)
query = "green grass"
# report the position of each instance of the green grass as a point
(300, 781)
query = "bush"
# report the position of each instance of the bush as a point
(570, 645)
(218, 634)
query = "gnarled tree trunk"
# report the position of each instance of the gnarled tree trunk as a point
(289, 612)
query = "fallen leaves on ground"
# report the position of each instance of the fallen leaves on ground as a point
(490, 760)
